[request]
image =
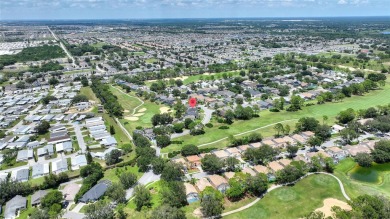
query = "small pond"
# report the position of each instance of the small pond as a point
(370, 175)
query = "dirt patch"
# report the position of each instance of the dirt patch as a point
(126, 111)
(197, 213)
(164, 109)
(139, 114)
(329, 203)
(142, 110)
(132, 118)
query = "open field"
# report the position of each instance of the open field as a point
(87, 91)
(294, 201)
(364, 182)
(374, 98)
(113, 174)
(128, 103)
(206, 76)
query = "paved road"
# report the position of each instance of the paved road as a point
(62, 45)
(278, 186)
(177, 135)
(79, 137)
(148, 177)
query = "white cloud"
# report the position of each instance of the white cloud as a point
(342, 2)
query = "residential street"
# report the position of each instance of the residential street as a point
(147, 178)
(79, 137)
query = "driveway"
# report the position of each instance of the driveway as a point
(207, 114)
(147, 178)
(79, 137)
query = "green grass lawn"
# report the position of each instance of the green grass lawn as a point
(294, 201)
(374, 98)
(126, 100)
(114, 173)
(195, 78)
(150, 61)
(358, 181)
(87, 91)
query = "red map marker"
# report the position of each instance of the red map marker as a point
(192, 102)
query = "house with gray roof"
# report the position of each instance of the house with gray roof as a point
(24, 155)
(39, 170)
(59, 166)
(13, 206)
(96, 192)
(109, 141)
(37, 196)
(21, 175)
(78, 161)
(64, 146)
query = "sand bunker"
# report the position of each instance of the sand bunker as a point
(138, 114)
(142, 110)
(126, 111)
(131, 118)
(164, 109)
(329, 203)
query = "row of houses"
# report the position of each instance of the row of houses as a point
(43, 169)
(98, 131)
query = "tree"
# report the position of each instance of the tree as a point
(142, 197)
(116, 193)
(39, 214)
(315, 215)
(99, 210)
(89, 157)
(128, 179)
(236, 190)
(314, 141)
(364, 159)
(323, 132)
(381, 152)
(288, 175)
(113, 157)
(187, 123)
(84, 81)
(112, 130)
(292, 150)
(167, 212)
(47, 99)
(163, 141)
(286, 129)
(179, 108)
(158, 165)
(296, 103)
(189, 149)
(174, 194)
(79, 98)
(348, 135)
(279, 128)
(51, 198)
(211, 202)
(346, 116)
(366, 206)
(43, 127)
(257, 185)
(53, 81)
(172, 172)
(178, 127)
(229, 117)
(306, 124)
(211, 163)
(231, 163)
(261, 155)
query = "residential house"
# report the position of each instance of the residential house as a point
(109, 141)
(191, 193)
(220, 183)
(37, 197)
(95, 192)
(202, 184)
(39, 170)
(78, 161)
(193, 161)
(13, 206)
(64, 147)
(21, 175)
(59, 166)
(24, 155)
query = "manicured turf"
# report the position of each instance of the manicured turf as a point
(87, 91)
(295, 201)
(127, 102)
(195, 78)
(362, 181)
(374, 98)
(113, 174)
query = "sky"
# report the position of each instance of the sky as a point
(143, 9)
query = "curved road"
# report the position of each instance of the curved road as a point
(278, 186)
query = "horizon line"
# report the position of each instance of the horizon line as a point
(189, 18)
